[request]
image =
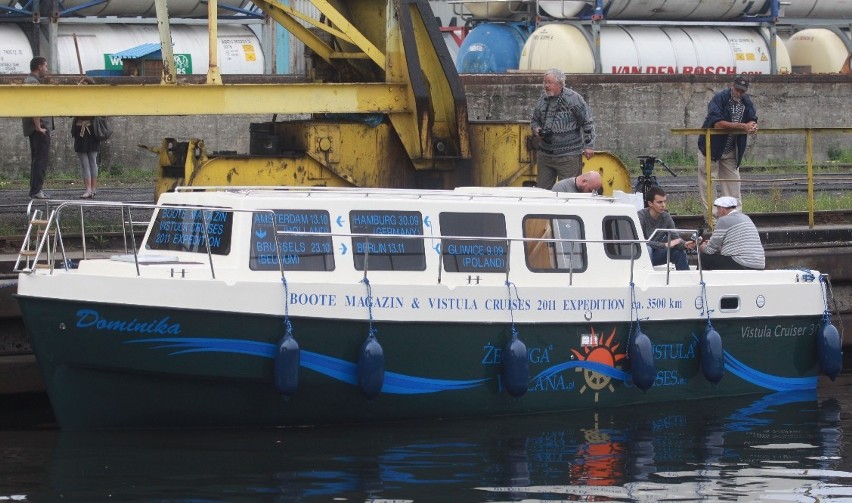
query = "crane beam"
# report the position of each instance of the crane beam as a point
(203, 99)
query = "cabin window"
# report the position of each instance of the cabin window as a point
(621, 229)
(391, 242)
(470, 253)
(191, 230)
(297, 251)
(556, 255)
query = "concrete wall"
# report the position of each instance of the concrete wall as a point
(633, 115)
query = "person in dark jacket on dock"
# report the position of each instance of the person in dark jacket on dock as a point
(730, 108)
(37, 129)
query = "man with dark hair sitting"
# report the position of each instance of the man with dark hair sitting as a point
(654, 217)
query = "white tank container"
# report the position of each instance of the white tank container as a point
(563, 9)
(656, 9)
(15, 50)
(708, 10)
(146, 8)
(645, 49)
(239, 50)
(494, 9)
(816, 50)
(828, 9)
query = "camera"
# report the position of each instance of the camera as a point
(546, 134)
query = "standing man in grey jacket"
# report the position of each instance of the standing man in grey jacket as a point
(563, 122)
(735, 243)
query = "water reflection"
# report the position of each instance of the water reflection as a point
(785, 446)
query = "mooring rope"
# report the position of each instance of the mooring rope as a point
(633, 307)
(705, 304)
(288, 327)
(826, 315)
(509, 286)
(371, 331)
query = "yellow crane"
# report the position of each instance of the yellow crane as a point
(386, 103)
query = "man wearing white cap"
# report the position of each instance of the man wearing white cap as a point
(730, 108)
(735, 243)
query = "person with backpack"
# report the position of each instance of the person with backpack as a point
(86, 145)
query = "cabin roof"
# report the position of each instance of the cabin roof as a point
(479, 194)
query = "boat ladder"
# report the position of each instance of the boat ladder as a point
(41, 238)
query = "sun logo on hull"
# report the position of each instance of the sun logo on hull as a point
(602, 350)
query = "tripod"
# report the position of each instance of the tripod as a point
(648, 179)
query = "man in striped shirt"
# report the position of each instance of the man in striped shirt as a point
(735, 243)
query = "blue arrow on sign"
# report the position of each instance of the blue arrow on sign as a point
(438, 248)
(340, 221)
(260, 233)
(426, 221)
(343, 248)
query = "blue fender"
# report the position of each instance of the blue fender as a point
(516, 368)
(286, 369)
(712, 355)
(641, 356)
(371, 367)
(829, 350)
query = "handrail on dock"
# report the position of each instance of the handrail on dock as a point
(809, 152)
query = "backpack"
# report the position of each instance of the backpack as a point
(101, 128)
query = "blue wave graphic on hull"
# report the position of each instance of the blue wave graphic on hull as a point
(402, 384)
(335, 368)
(765, 380)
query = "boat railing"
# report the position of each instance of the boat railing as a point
(50, 248)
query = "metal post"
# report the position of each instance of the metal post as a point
(809, 142)
(169, 73)
(708, 161)
(773, 51)
(53, 38)
(213, 75)
(596, 36)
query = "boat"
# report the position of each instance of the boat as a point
(288, 306)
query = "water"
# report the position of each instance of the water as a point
(782, 447)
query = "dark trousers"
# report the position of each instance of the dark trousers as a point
(717, 261)
(678, 258)
(39, 151)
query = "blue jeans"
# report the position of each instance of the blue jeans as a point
(678, 258)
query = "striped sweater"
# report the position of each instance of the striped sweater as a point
(736, 236)
(569, 118)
